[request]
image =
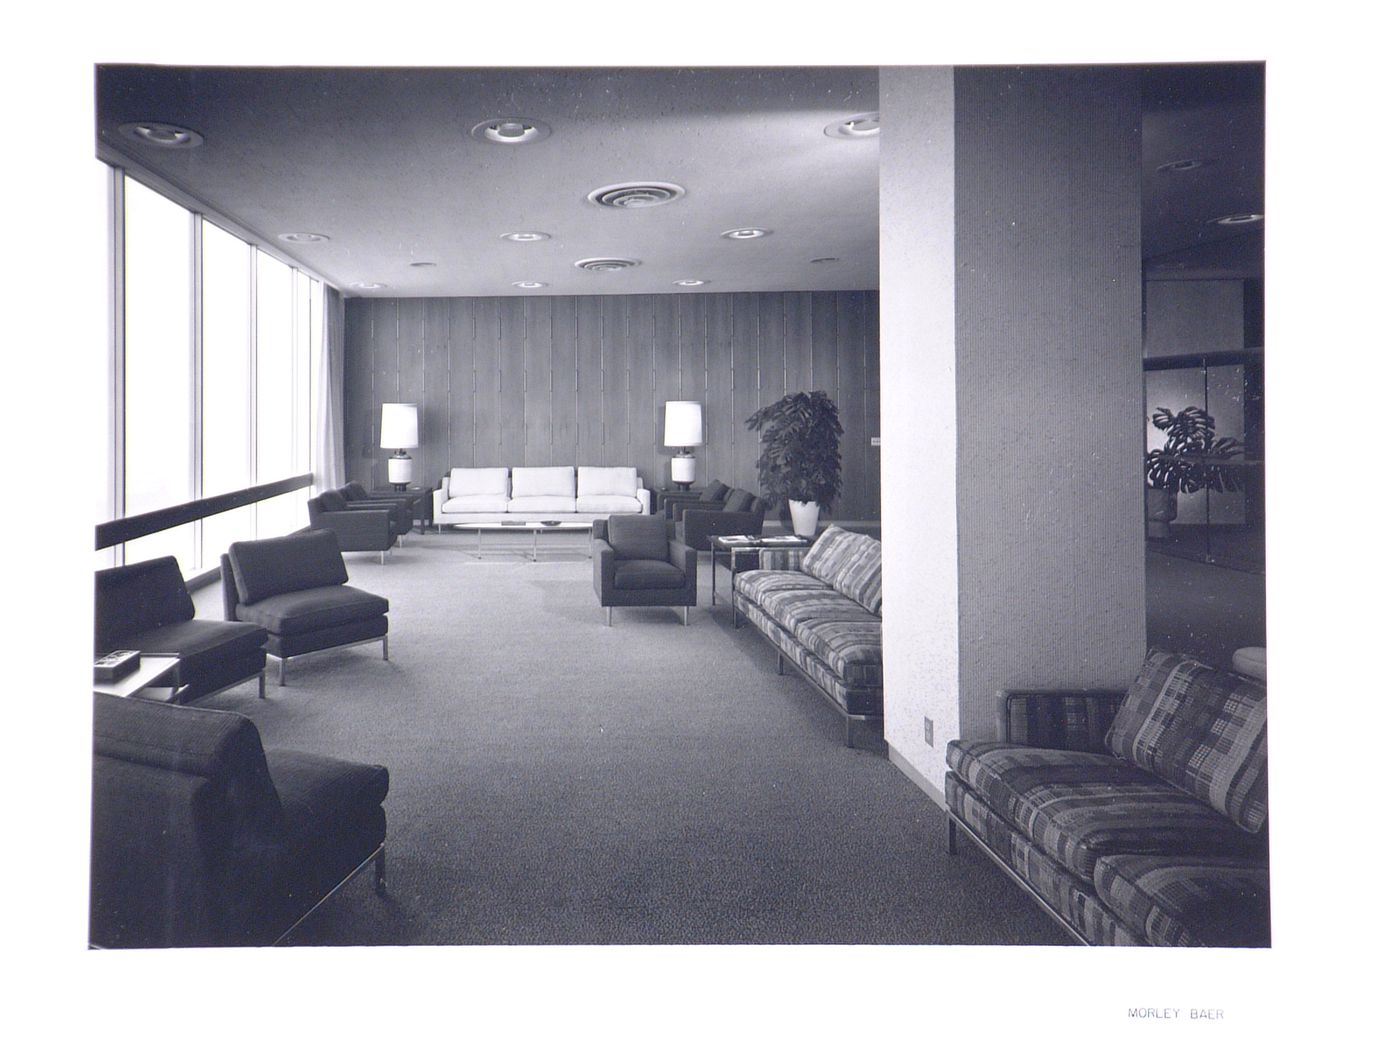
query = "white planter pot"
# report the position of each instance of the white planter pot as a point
(804, 517)
(1161, 512)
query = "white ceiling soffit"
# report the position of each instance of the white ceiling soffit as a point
(383, 162)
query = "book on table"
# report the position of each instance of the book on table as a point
(735, 540)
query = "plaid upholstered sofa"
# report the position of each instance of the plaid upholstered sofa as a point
(1137, 819)
(821, 610)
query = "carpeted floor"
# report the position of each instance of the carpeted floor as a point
(556, 781)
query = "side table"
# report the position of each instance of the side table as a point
(734, 546)
(423, 503)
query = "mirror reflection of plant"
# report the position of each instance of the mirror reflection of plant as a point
(799, 449)
(1193, 458)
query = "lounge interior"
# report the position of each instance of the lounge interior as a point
(997, 273)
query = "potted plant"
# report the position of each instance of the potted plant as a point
(1192, 459)
(800, 455)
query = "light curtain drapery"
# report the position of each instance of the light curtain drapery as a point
(328, 433)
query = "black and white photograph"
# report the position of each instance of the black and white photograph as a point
(677, 543)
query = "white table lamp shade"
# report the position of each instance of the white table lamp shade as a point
(683, 425)
(398, 427)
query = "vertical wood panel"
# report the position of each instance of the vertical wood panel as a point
(563, 383)
(690, 384)
(588, 323)
(538, 324)
(384, 320)
(643, 429)
(797, 340)
(614, 405)
(461, 451)
(772, 370)
(511, 361)
(746, 392)
(824, 342)
(435, 418)
(486, 383)
(850, 397)
(666, 378)
(359, 367)
(719, 387)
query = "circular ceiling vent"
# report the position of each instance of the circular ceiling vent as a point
(636, 194)
(302, 238)
(607, 265)
(861, 126)
(746, 233)
(510, 131)
(168, 136)
(525, 236)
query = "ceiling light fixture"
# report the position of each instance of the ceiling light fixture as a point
(746, 233)
(529, 284)
(167, 136)
(302, 238)
(690, 282)
(1174, 167)
(636, 194)
(368, 286)
(1243, 218)
(510, 131)
(604, 265)
(861, 126)
(422, 265)
(525, 237)
(827, 259)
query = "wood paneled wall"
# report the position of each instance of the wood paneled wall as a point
(570, 380)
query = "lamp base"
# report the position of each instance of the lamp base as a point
(400, 468)
(683, 470)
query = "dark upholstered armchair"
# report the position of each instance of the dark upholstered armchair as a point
(635, 565)
(711, 497)
(403, 506)
(295, 587)
(741, 513)
(147, 607)
(358, 528)
(200, 838)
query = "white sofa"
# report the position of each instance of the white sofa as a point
(485, 494)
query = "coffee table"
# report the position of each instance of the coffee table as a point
(532, 527)
(139, 680)
(737, 545)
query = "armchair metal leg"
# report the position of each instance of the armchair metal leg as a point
(281, 670)
(952, 836)
(381, 557)
(609, 611)
(685, 615)
(380, 886)
(386, 647)
(780, 663)
(262, 684)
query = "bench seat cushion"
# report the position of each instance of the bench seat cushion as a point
(541, 505)
(315, 608)
(1188, 902)
(608, 504)
(758, 584)
(494, 503)
(793, 608)
(852, 650)
(1078, 807)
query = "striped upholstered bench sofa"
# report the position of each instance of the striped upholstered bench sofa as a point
(1134, 820)
(820, 609)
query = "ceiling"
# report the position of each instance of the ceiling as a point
(383, 163)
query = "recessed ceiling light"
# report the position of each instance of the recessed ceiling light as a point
(690, 282)
(746, 233)
(826, 259)
(606, 265)
(168, 136)
(368, 286)
(422, 265)
(510, 131)
(1173, 167)
(302, 238)
(636, 194)
(525, 236)
(861, 126)
(529, 284)
(1243, 218)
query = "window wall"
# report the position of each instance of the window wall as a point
(212, 381)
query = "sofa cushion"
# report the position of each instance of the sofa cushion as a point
(608, 505)
(1078, 807)
(643, 536)
(494, 503)
(543, 481)
(645, 574)
(736, 501)
(478, 481)
(853, 650)
(312, 609)
(135, 598)
(714, 492)
(831, 553)
(758, 584)
(542, 506)
(859, 577)
(792, 608)
(203, 643)
(1201, 729)
(1188, 902)
(608, 481)
(288, 563)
